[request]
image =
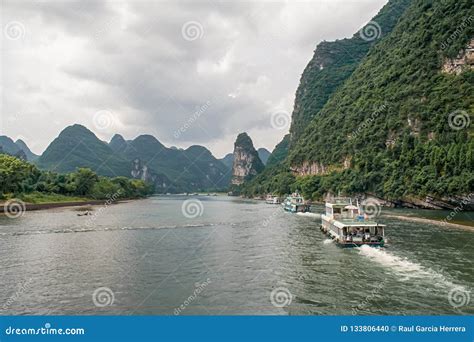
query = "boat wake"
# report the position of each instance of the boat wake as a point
(309, 215)
(405, 268)
(327, 241)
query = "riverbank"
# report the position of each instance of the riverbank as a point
(53, 205)
(429, 221)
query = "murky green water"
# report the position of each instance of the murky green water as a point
(146, 257)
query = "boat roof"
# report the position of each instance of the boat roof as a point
(354, 223)
(338, 202)
(341, 223)
(336, 205)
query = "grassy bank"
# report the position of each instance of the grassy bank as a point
(41, 198)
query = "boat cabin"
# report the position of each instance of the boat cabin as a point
(345, 223)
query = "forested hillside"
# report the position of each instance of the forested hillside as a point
(399, 127)
(334, 62)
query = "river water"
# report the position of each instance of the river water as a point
(225, 255)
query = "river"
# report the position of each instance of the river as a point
(225, 255)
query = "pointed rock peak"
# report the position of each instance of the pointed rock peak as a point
(118, 143)
(247, 163)
(117, 138)
(243, 140)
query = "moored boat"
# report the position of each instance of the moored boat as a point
(272, 199)
(348, 227)
(295, 203)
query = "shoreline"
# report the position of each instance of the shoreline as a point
(53, 205)
(425, 220)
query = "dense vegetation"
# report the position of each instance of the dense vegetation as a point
(390, 119)
(334, 62)
(280, 152)
(20, 179)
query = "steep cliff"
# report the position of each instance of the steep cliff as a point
(400, 126)
(334, 62)
(247, 163)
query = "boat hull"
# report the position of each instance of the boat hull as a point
(351, 244)
(296, 209)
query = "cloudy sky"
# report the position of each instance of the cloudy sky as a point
(188, 72)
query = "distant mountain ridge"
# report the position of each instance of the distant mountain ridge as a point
(30, 155)
(18, 149)
(146, 158)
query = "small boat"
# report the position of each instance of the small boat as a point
(348, 227)
(86, 213)
(272, 199)
(295, 203)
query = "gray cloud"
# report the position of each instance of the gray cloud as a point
(133, 60)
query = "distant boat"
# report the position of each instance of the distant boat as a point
(86, 213)
(344, 223)
(295, 203)
(272, 199)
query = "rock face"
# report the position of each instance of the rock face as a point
(247, 163)
(463, 62)
(141, 171)
(453, 203)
